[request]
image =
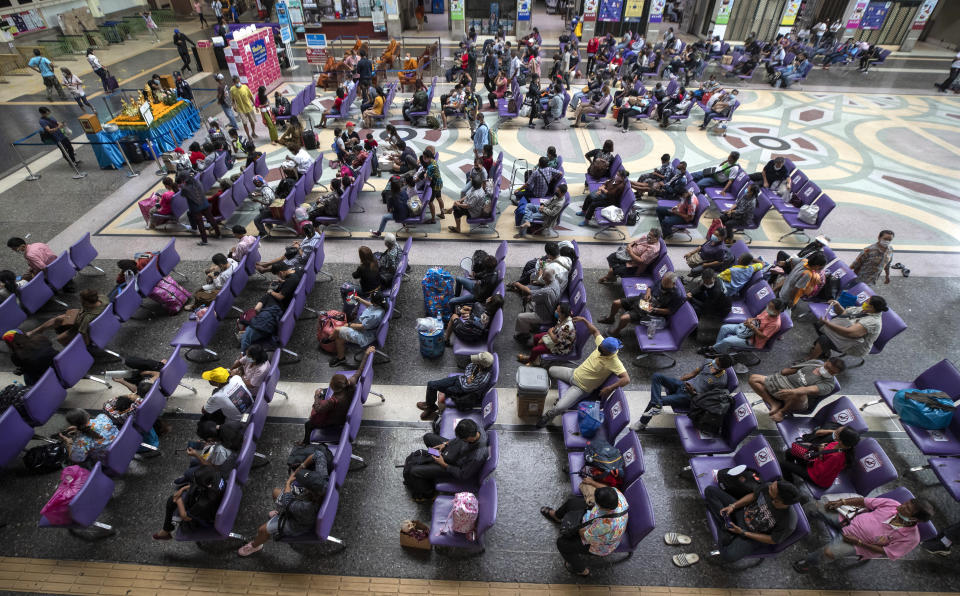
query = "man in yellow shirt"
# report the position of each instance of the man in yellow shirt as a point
(243, 104)
(591, 374)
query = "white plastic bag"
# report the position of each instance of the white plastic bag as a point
(612, 213)
(429, 325)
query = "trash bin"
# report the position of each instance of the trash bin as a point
(431, 343)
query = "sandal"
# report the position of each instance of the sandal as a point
(453, 229)
(685, 559)
(550, 514)
(248, 549)
(674, 539)
(157, 536)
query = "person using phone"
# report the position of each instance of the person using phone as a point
(764, 517)
(459, 459)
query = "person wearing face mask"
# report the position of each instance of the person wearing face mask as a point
(792, 388)
(710, 375)
(708, 299)
(751, 334)
(882, 528)
(818, 457)
(634, 257)
(253, 367)
(243, 102)
(875, 259)
(852, 331)
(661, 300)
(559, 339)
(774, 176)
(712, 254)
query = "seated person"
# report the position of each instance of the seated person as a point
(195, 503)
(735, 278)
(791, 389)
(388, 260)
(558, 340)
(460, 459)
(298, 253)
(454, 104)
(75, 321)
(680, 104)
(661, 300)
(608, 194)
(707, 298)
(721, 104)
(404, 161)
(265, 195)
(482, 282)
(244, 243)
(674, 185)
(598, 105)
(804, 279)
(752, 334)
(474, 205)
(632, 107)
(230, 400)
(196, 154)
(774, 176)
(763, 517)
(882, 528)
(548, 210)
(218, 448)
(363, 331)
(539, 305)
(599, 529)
(633, 258)
(296, 508)
(367, 272)
(335, 108)
(599, 161)
(741, 214)
(86, 440)
(660, 174)
(501, 86)
(712, 254)
(471, 322)
(31, 356)
(218, 277)
(588, 377)
(375, 110)
(721, 175)
(554, 109)
(679, 214)
(253, 366)
(710, 375)
(852, 331)
(819, 456)
(328, 203)
(465, 390)
(331, 411)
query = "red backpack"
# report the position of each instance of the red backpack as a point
(593, 45)
(327, 321)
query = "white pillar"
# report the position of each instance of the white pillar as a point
(919, 22)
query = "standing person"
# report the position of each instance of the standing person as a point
(217, 8)
(53, 130)
(223, 99)
(875, 259)
(421, 15)
(73, 83)
(243, 102)
(151, 25)
(183, 87)
(197, 205)
(954, 71)
(98, 68)
(198, 8)
(44, 66)
(180, 40)
(263, 104)
(481, 136)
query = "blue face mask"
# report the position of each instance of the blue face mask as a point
(714, 238)
(556, 315)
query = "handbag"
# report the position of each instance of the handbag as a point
(571, 525)
(623, 254)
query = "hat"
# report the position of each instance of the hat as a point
(484, 359)
(218, 76)
(349, 123)
(176, 31)
(823, 240)
(9, 335)
(611, 344)
(260, 180)
(217, 375)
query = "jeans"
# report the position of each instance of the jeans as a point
(463, 283)
(728, 341)
(448, 385)
(383, 222)
(668, 220)
(258, 220)
(251, 336)
(709, 116)
(946, 84)
(230, 116)
(573, 394)
(575, 100)
(837, 547)
(573, 549)
(704, 181)
(677, 395)
(733, 547)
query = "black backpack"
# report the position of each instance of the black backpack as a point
(299, 454)
(707, 410)
(12, 395)
(45, 458)
(420, 488)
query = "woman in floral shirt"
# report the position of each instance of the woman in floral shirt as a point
(595, 530)
(559, 339)
(88, 439)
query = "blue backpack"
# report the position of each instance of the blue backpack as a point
(590, 418)
(930, 409)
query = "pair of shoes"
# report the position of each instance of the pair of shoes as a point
(801, 566)
(429, 415)
(375, 233)
(580, 213)
(653, 411)
(338, 362)
(605, 321)
(706, 351)
(426, 407)
(943, 551)
(201, 243)
(545, 419)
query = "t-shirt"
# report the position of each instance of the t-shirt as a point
(669, 299)
(763, 518)
(604, 535)
(242, 98)
(593, 371)
(802, 278)
(287, 288)
(805, 377)
(875, 523)
(825, 468)
(855, 346)
(706, 379)
(232, 400)
(332, 411)
(773, 174)
(38, 256)
(768, 325)
(254, 373)
(43, 65)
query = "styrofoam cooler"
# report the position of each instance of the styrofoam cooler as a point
(431, 344)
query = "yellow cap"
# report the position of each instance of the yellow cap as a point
(217, 375)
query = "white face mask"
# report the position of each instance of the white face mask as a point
(822, 371)
(708, 286)
(884, 243)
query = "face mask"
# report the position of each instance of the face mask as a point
(822, 371)
(884, 243)
(772, 313)
(904, 519)
(714, 238)
(556, 315)
(708, 286)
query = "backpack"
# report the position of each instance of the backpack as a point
(589, 418)
(740, 484)
(433, 122)
(420, 488)
(462, 518)
(12, 395)
(419, 101)
(930, 409)
(604, 463)
(707, 411)
(599, 168)
(45, 458)
(327, 321)
(299, 454)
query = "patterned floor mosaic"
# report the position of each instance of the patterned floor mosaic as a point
(887, 160)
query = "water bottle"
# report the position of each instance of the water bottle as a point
(439, 322)
(128, 276)
(651, 330)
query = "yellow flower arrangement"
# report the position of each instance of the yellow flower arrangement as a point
(161, 112)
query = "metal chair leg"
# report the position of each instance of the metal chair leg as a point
(651, 357)
(98, 380)
(189, 388)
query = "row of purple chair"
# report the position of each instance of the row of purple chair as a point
(804, 191)
(347, 200)
(301, 101)
(488, 222)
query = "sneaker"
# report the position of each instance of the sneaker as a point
(338, 362)
(802, 566)
(422, 405)
(429, 415)
(544, 420)
(640, 426)
(740, 369)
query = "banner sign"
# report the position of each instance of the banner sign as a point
(875, 15)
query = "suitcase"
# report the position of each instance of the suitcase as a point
(532, 387)
(310, 139)
(170, 295)
(145, 206)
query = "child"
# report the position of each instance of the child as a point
(370, 145)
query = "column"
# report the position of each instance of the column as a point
(720, 18)
(789, 17)
(919, 22)
(851, 18)
(456, 19)
(524, 24)
(589, 22)
(655, 24)
(394, 26)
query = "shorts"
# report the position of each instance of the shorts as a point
(778, 382)
(273, 526)
(630, 304)
(360, 338)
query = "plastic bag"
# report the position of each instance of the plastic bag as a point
(612, 213)
(57, 509)
(428, 325)
(589, 418)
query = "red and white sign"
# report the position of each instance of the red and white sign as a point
(316, 56)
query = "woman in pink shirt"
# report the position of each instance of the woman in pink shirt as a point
(165, 204)
(881, 528)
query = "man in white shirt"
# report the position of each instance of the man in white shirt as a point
(218, 277)
(230, 401)
(954, 71)
(303, 160)
(217, 7)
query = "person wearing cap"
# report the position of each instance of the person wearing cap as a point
(230, 400)
(464, 390)
(763, 517)
(180, 40)
(460, 459)
(588, 377)
(243, 102)
(223, 100)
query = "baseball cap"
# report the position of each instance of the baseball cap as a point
(259, 179)
(350, 124)
(611, 344)
(9, 335)
(216, 375)
(484, 359)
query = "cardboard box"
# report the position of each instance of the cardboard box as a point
(90, 123)
(167, 81)
(409, 541)
(530, 406)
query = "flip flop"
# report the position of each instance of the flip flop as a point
(685, 559)
(453, 229)
(549, 514)
(157, 536)
(674, 539)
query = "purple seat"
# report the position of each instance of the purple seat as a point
(197, 334)
(60, 272)
(270, 384)
(258, 415)
(150, 408)
(260, 166)
(226, 204)
(103, 329)
(937, 442)
(285, 330)
(82, 254)
(223, 523)
(120, 452)
(647, 114)
(871, 469)
(756, 298)
(640, 520)
(126, 303)
(331, 434)
(772, 550)
(763, 205)
(943, 376)
(637, 286)
(16, 434)
(489, 466)
(484, 417)
(220, 166)
(245, 456)
(738, 423)
(616, 416)
(73, 362)
(11, 315)
(607, 225)
(462, 348)
(841, 411)
(238, 281)
(43, 398)
(755, 453)
(947, 470)
(387, 103)
(250, 260)
(207, 177)
(902, 494)
(576, 354)
(168, 258)
(148, 277)
(35, 294)
(725, 199)
(630, 449)
(430, 90)
(342, 452)
(336, 222)
(860, 291)
(826, 205)
(594, 183)
(685, 228)
(87, 504)
(325, 516)
(486, 517)
(680, 325)
(172, 373)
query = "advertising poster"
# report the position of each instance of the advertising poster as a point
(610, 10)
(523, 10)
(19, 23)
(875, 15)
(295, 8)
(392, 9)
(854, 21)
(258, 49)
(633, 11)
(590, 10)
(790, 13)
(723, 13)
(377, 15)
(923, 15)
(456, 10)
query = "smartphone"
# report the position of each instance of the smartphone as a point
(434, 452)
(727, 521)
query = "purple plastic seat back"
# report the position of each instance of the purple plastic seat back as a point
(73, 362)
(740, 421)
(681, 324)
(42, 399)
(632, 452)
(238, 281)
(493, 457)
(60, 272)
(843, 412)
(757, 454)
(35, 293)
(150, 408)
(871, 468)
(11, 315)
(496, 325)
(252, 257)
(640, 520)
(126, 302)
(16, 434)
(258, 416)
(172, 372)
(327, 512)
(341, 459)
(148, 277)
(168, 258)
(220, 166)
(103, 328)
(893, 326)
(287, 323)
(355, 415)
(89, 503)
(229, 506)
(82, 253)
(489, 407)
(273, 377)
(797, 180)
(122, 449)
(757, 296)
(245, 455)
(943, 376)
(616, 413)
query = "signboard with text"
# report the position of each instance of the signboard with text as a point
(854, 21)
(790, 13)
(723, 13)
(875, 15)
(610, 10)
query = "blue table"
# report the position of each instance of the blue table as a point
(165, 136)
